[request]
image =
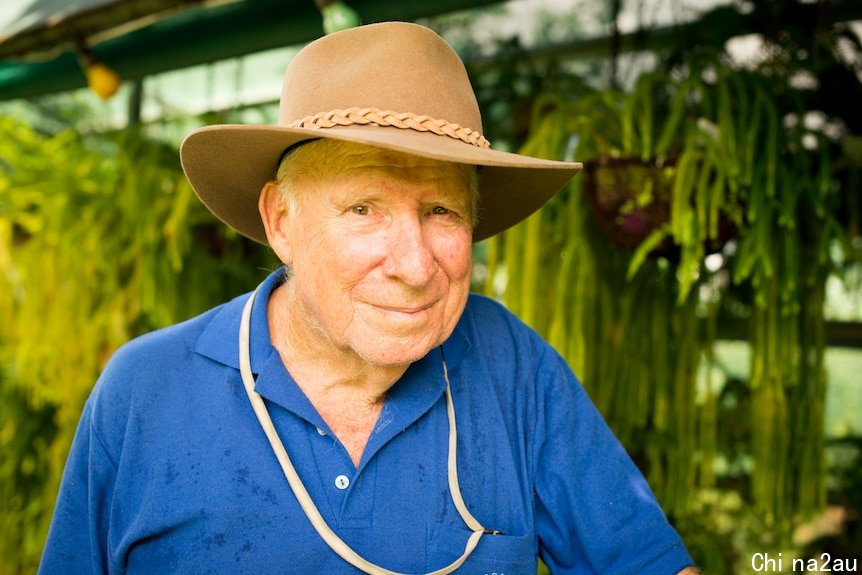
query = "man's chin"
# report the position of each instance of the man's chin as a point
(396, 352)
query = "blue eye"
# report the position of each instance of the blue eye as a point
(359, 210)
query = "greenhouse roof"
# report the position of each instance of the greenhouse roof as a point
(39, 39)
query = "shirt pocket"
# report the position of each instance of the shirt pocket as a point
(494, 555)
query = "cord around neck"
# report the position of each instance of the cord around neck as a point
(301, 493)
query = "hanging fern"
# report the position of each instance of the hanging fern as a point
(632, 321)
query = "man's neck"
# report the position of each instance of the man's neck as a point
(346, 391)
(317, 366)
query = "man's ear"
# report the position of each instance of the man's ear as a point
(276, 221)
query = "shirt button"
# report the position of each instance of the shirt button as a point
(321, 431)
(342, 482)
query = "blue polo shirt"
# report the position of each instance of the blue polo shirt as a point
(170, 471)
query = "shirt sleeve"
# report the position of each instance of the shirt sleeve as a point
(77, 538)
(595, 513)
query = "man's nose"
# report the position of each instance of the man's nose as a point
(410, 258)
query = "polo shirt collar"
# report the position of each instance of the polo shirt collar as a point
(220, 339)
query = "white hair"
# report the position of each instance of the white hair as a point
(318, 157)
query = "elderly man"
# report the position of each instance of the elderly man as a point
(360, 412)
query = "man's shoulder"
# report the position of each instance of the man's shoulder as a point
(155, 358)
(163, 344)
(488, 319)
(483, 308)
(492, 330)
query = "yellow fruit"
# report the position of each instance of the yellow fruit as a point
(102, 80)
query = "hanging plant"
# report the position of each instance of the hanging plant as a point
(683, 163)
(656, 171)
(635, 348)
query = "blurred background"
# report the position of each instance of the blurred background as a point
(702, 275)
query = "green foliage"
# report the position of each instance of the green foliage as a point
(636, 350)
(26, 437)
(101, 239)
(701, 155)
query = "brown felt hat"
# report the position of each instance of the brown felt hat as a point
(393, 85)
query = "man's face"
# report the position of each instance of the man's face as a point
(381, 257)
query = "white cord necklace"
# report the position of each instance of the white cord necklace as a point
(302, 495)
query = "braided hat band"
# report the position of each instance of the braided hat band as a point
(367, 77)
(403, 120)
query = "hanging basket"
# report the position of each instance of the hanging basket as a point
(630, 198)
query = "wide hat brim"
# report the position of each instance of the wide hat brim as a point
(394, 85)
(228, 165)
